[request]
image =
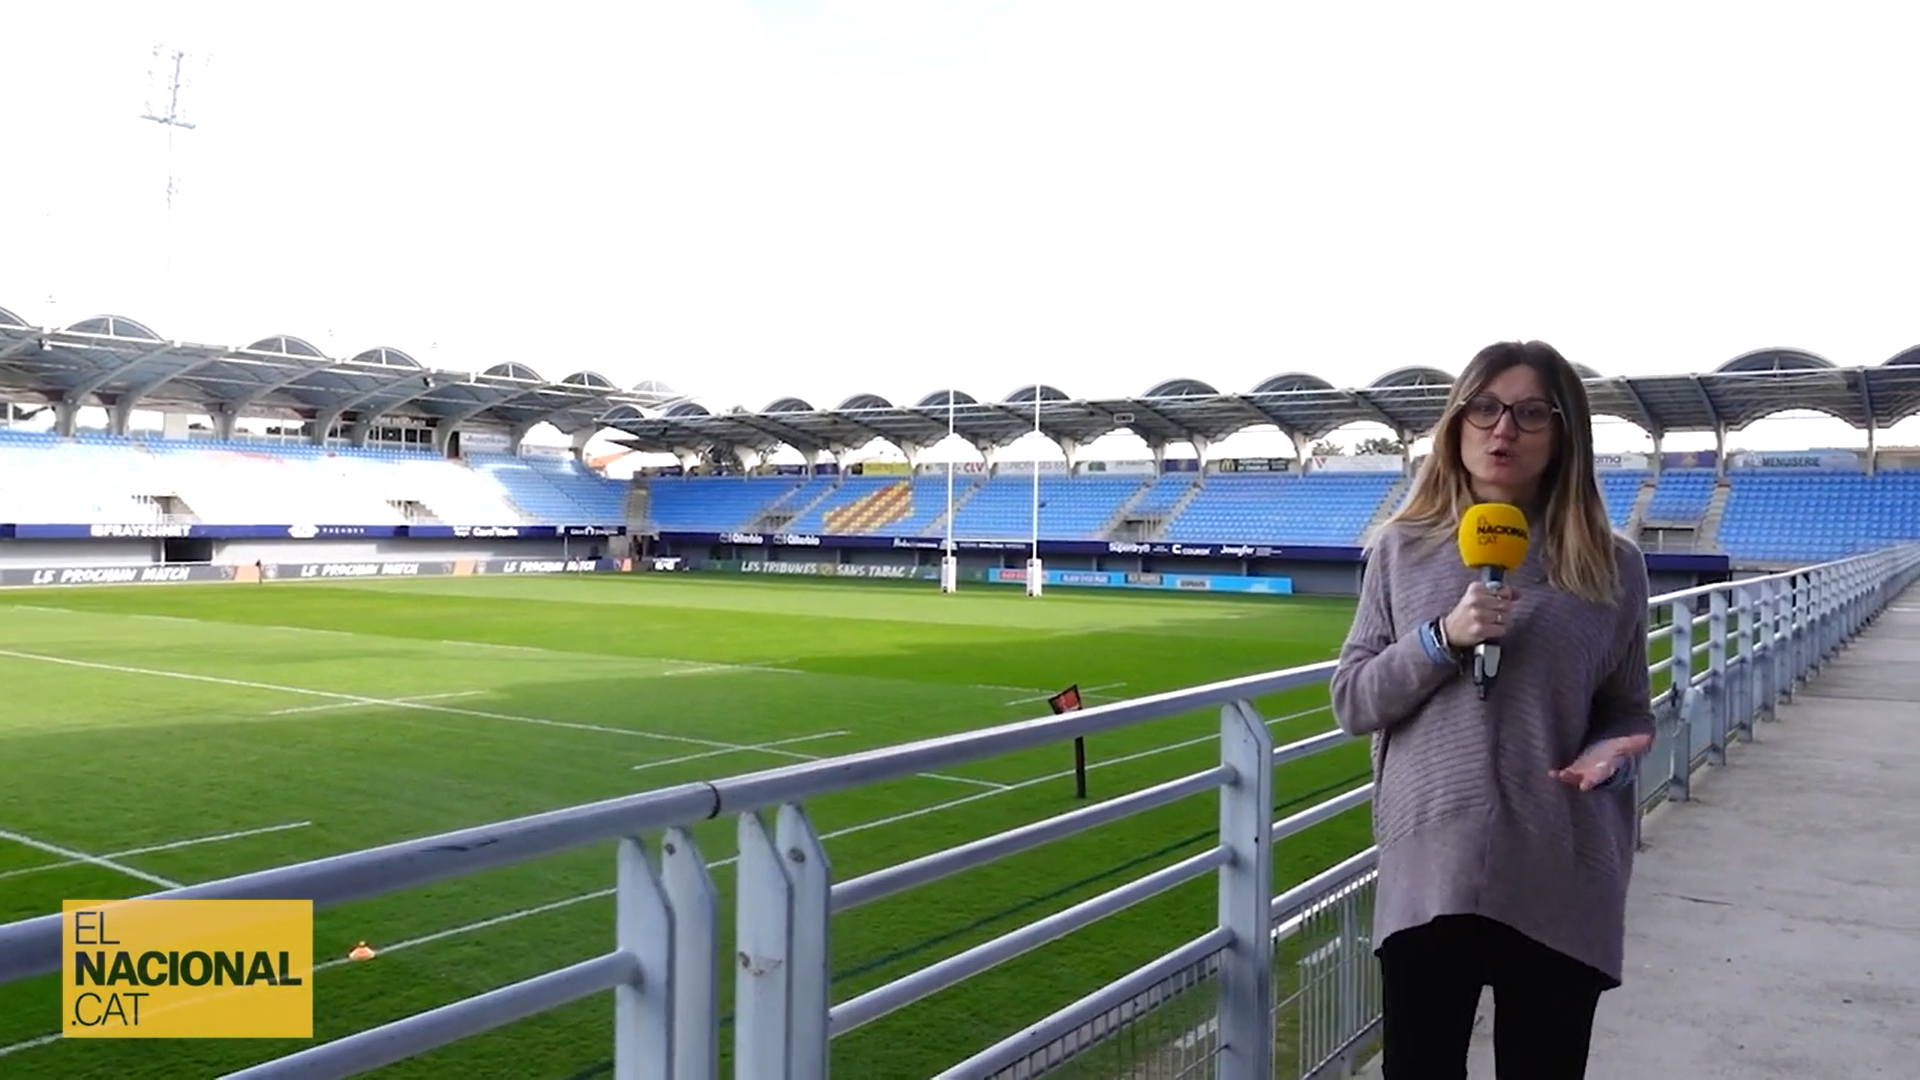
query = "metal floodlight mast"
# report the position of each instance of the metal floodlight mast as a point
(165, 81)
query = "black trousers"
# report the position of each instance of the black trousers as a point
(1431, 978)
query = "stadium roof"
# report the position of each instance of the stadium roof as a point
(111, 360)
(1408, 400)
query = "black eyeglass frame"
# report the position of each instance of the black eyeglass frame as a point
(1466, 412)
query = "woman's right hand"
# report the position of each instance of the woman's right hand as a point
(1481, 615)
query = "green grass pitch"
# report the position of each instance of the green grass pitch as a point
(188, 733)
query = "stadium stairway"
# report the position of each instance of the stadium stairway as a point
(1128, 506)
(961, 493)
(1637, 514)
(1709, 532)
(795, 503)
(1773, 921)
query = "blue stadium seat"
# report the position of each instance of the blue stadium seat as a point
(714, 503)
(1682, 495)
(1071, 508)
(1816, 515)
(1619, 489)
(554, 490)
(1167, 491)
(1321, 510)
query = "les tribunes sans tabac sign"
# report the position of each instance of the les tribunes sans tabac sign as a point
(187, 969)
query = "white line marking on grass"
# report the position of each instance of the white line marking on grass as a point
(174, 845)
(1090, 691)
(424, 706)
(93, 860)
(893, 819)
(716, 753)
(29, 1044)
(704, 665)
(358, 704)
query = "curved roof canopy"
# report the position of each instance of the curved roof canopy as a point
(1408, 400)
(113, 361)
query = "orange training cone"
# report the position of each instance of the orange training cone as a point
(361, 952)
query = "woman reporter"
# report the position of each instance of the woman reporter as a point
(1505, 825)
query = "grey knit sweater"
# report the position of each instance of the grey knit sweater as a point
(1465, 815)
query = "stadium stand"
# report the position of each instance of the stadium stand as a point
(1681, 495)
(355, 464)
(1071, 508)
(1620, 488)
(1328, 510)
(718, 503)
(1824, 514)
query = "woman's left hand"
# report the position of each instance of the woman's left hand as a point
(1601, 760)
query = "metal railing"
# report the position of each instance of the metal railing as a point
(1279, 986)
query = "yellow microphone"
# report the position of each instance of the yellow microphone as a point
(1493, 540)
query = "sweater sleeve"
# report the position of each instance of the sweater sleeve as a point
(1382, 676)
(1623, 703)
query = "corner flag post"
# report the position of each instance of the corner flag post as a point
(1067, 701)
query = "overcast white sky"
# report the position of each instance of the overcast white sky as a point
(817, 197)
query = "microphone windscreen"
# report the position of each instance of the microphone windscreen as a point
(1493, 534)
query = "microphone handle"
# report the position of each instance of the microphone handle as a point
(1486, 655)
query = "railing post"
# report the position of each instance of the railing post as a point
(643, 928)
(808, 955)
(1680, 681)
(763, 944)
(1245, 1026)
(1826, 593)
(695, 905)
(1353, 952)
(1780, 649)
(1804, 620)
(1789, 636)
(1746, 682)
(1719, 698)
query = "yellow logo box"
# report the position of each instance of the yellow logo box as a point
(187, 969)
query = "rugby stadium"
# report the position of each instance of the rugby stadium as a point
(392, 617)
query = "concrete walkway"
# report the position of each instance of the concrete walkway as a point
(1773, 929)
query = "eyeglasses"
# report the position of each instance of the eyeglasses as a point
(1530, 414)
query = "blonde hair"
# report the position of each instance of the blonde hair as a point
(1579, 550)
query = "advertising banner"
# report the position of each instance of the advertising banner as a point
(1824, 460)
(1378, 463)
(366, 568)
(542, 566)
(1026, 468)
(153, 531)
(116, 575)
(1622, 462)
(1115, 468)
(960, 468)
(1252, 465)
(1658, 561)
(1108, 579)
(870, 571)
(511, 532)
